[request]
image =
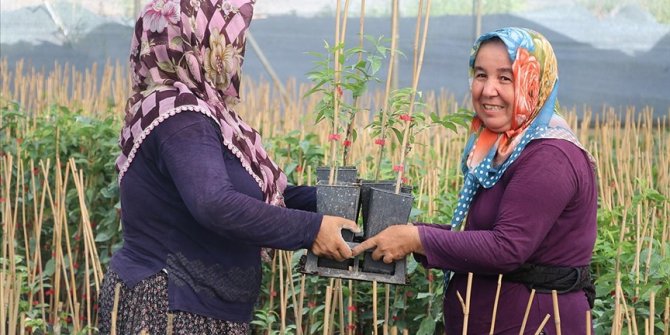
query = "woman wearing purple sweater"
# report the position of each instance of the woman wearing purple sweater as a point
(530, 196)
(200, 197)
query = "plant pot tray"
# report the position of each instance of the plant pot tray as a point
(394, 273)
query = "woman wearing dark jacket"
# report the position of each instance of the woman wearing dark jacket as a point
(200, 197)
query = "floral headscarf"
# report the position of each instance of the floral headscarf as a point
(187, 56)
(488, 154)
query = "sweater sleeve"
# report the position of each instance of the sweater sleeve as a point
(300, 197)
(541, 185)
(193, 157)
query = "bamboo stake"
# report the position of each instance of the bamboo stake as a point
(387, 91)
(350, 305)
(588, 322)
(282, 294)
(374, 307)
(525, 315)
(326, 317)
(415, 84)
(652, 312)
(557, 314)
(495, 305)
(544, 322)
(666, 317)
(387, 298)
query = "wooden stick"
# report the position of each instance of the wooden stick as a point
(652, 312)
(544, 322)
(115, 308)
(525, 315)
(588, 322)
(326, 315)
(495, 305)
(468, 292)
(557, 314)
(374, 307)
(387, 299)
(666, 317)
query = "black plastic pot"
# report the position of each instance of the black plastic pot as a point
(344, 174)
(338, 200)
(383, 207)
(366, 185)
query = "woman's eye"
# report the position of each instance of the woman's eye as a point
(480, 75)
(505, 78)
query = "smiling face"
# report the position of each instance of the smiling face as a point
(493, 86)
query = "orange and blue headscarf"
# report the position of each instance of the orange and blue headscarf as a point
(488, 154)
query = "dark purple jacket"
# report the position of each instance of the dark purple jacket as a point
(189, 207)
(542, 211)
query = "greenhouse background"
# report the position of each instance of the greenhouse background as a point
(610, 52)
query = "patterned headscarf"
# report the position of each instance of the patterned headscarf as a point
(187, 56)
(488, 154)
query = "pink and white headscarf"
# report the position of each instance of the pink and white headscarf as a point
(187, 56)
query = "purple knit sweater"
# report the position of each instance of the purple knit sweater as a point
(542, 211)
(189, 207)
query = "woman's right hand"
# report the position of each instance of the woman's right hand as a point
(329, 242)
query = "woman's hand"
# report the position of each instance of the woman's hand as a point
(392, 244)
(329, 242)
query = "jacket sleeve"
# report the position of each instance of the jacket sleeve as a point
(526, 214)
(193, 157)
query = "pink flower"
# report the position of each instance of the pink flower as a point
(406, 117)
(380, 141)
(347, 143)
(398, 168)
(334, 137)
(158, 13)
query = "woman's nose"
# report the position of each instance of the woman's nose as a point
(490, 88)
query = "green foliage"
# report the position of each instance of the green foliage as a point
(297, 153)
(637, 285)
(357, 68)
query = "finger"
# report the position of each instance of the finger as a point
(343, 250)
(377, 254)
(388, 258)
(351, 225)
(365, 245)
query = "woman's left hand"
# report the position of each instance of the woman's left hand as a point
(392, 244)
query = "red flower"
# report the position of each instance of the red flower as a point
(339, 91)
(346, 143)
(398, 168)
(75, 265)
(351, 326)
(395, 318)
(49, 292)
(334, 137)
(406, 117)
(311, 304)
(351, 308)
(380, 141)
(273, 293)
(404, 180)
(409, 294)
(298, 168)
